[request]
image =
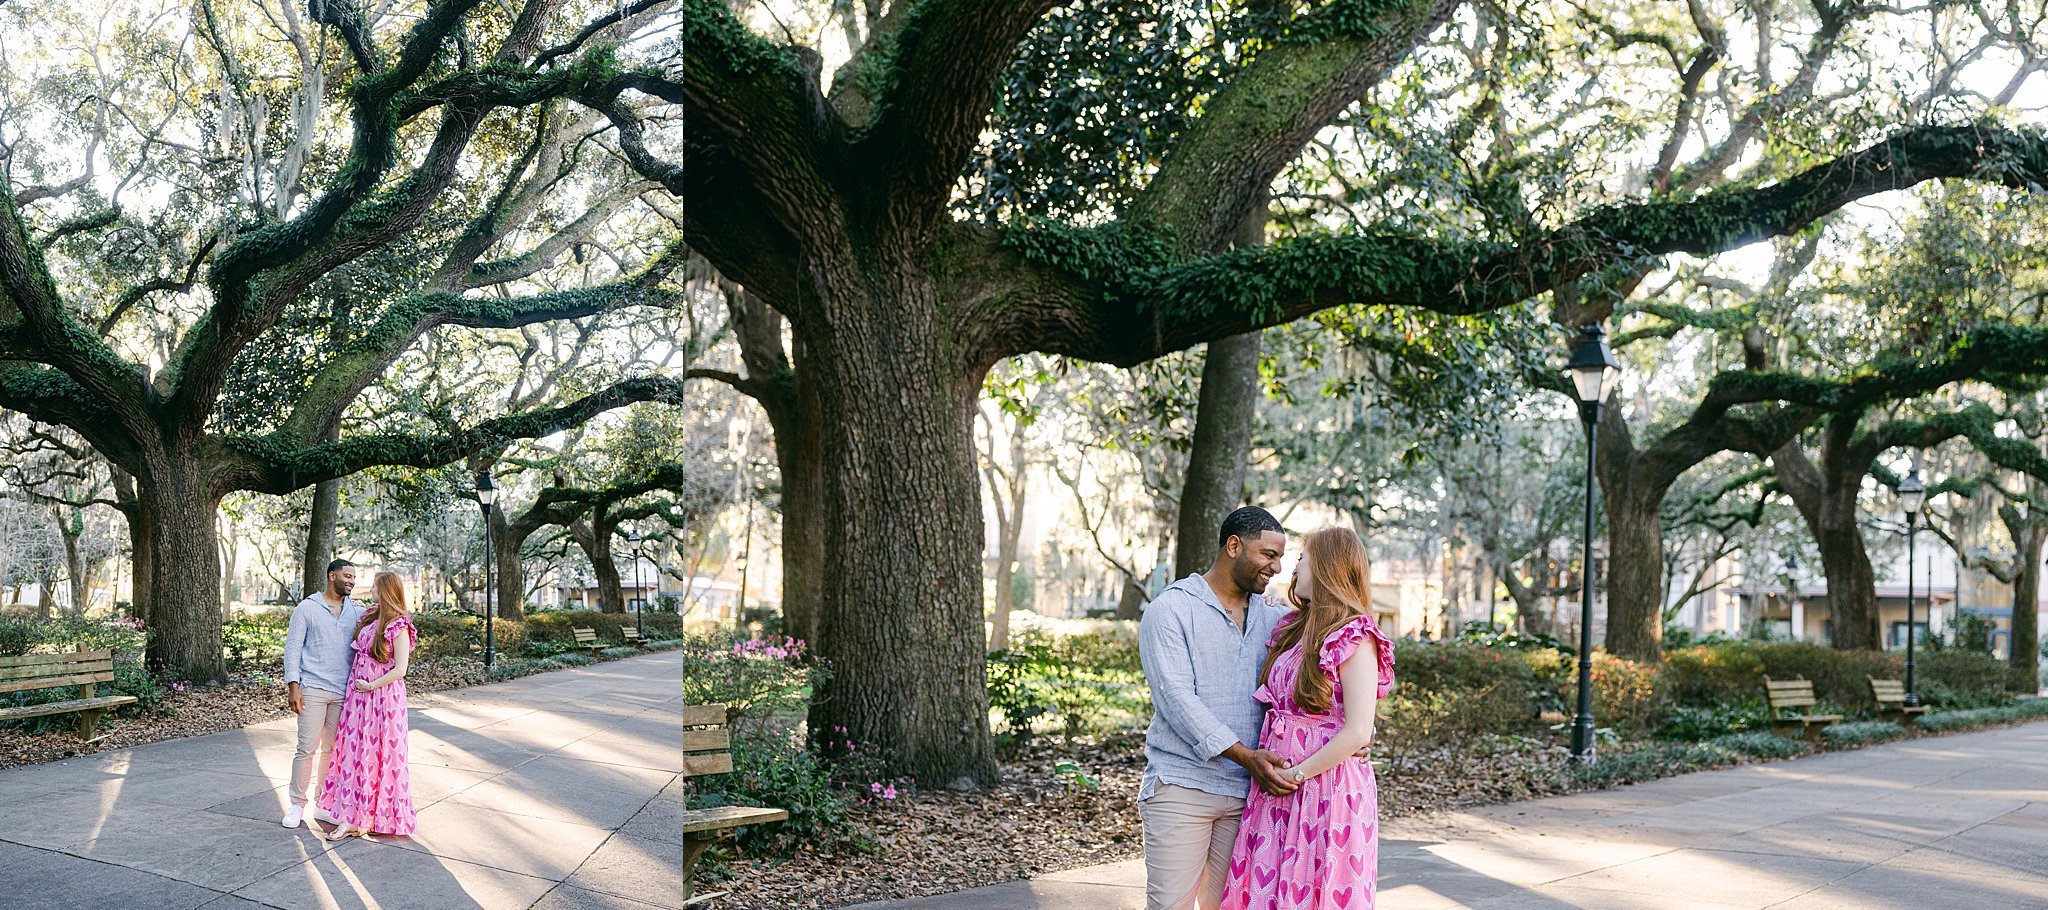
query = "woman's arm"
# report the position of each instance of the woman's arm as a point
(401, 658)
(1360, 674)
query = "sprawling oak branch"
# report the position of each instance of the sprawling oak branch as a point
(1119, 297)
(271, 465)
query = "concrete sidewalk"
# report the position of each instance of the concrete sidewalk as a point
(559, 791)
(1954, 823)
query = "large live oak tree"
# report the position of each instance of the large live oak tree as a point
(416, 101)
(833, 211)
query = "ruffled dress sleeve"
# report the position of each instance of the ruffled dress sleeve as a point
(1338, 647)
(402, 622)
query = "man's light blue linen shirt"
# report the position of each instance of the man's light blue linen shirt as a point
(318, 644)
(1202, 671)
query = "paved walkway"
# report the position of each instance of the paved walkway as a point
(560, 791)
(1951, 823)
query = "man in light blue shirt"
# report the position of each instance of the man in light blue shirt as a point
(1203, 642)
(318, 648)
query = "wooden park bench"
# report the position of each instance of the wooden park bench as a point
(86, 669)
(587, 640)
(633, 636)
(706, 746)
(1787, 698)
(1891, 701)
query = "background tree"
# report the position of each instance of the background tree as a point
(223, 372)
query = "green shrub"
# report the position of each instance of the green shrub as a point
(1652, 761)
(1961, 679)
(1860, 732)
(1086, 681)
(1414, 718)
(620, 651)
(775, 771)
(1838, 677)
(256, 636)
(756, 680)
(1946, 721)
(1697, 724)
(573, 660)
(1761, 744)
(1710, 676)
(561, 625)
(514, 667)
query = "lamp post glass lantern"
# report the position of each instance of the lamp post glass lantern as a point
(1593, 370)
(486, 497)
(1912, 494)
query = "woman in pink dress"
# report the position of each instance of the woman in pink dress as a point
(1327, 667)
(368, 788)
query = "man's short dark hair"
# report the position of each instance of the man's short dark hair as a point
(1247, 524)
(339, 565)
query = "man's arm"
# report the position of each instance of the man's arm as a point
(1170, 671)
(294, 646)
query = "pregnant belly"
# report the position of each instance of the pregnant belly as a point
(1295, 737)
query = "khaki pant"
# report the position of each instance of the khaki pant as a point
(1188, 838)
(316, 737)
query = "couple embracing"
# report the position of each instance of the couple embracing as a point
(344, 673)
(1257, 792)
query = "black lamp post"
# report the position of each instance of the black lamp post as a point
(1593, 369)
(1911, 494)
(486, 495)
(640, 601)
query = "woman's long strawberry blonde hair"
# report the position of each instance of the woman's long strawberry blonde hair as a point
(391, 604)
(1340, 577)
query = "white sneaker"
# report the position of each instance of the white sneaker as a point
(294, 815)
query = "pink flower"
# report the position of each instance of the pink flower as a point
(889, 793)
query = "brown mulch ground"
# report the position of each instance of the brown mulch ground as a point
(1035, 822)
(253, 694)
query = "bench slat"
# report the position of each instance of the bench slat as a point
(725, 817)
(31, 660)
(706, 740)
(703, 715)
(52, 682)
(702, 765)
(65, 707)
(64, 669)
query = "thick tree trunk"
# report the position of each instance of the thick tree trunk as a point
(1222, 445)
(2026, 604)
(319, 547)
(72, 528)
(1827, 501)
(511, 571)
(1635, 577)
(179, 535)
(1635, 543)
(594, 536)
(801, 458)
(901, 622)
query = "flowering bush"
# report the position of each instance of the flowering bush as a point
(756, 680)
(255, 636)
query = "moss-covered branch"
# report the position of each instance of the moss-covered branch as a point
(274, 464)
(352, 370)
(1137, 300)
(1260, 121)
(935, 84)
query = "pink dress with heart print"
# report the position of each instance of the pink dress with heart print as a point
(1318, 847)
(368, 784)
